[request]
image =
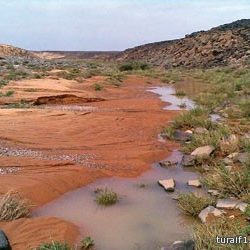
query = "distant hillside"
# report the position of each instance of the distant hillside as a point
(228, 44)
(11, 51)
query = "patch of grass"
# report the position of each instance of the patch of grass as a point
(192, 204)
(205, 235)
(213, 137)
(37, 76)
(180, 93)
(131, 66)
(3, 83)
(106, 197)
(87, 243)
(168, 132)
(19, 105)
(54, 245)
(247, 211)
(196, 117)
(9, 93)
(13, 206)
(98, 87)
(230, 183)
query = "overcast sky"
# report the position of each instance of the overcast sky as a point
(109, 24)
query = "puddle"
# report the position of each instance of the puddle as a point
(145, 217)
(167, 94)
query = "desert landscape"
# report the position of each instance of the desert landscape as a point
(147, 148)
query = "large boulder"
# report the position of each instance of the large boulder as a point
(4, 242)
(231, 204)
(168, 184)
(210, 210)
(203, 152)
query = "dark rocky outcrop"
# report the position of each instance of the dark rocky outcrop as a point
(4, 242)
(227, 44)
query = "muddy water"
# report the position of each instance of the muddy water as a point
(167, 94)
(146, 217)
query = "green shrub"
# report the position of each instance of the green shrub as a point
(106, 197)
(130, 66)
(192, 204)
(54, 245)
(13, 206)
(87, 243)
(205, 235)
(230, 183)
(98, 87)
(180, 93)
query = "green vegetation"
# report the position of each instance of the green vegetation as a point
(98, 87)
(13, 206)
(133, 66)
(106, 197)
(180, 93)
(87, 243)
(19, 105)
(54, 245)
(192, 204)
(9, 93)
(230, 183)
(205, 234)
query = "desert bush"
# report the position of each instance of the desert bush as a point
(205, 235)
(180, 93)
(87, 243)
(54, 245)
(106, 197)
(192, 204)
(130, 66)
(13, 206)
(230, 183)
(98, 87)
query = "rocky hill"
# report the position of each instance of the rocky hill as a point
(11, 51)
(228, 44)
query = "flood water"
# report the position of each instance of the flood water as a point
(145, 218)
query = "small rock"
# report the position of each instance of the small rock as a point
(188, 161)
(243, 158)
(194, 183)
(183, 245)
(231, 204)
(228, 161)
(182, 136)
(233, 155)
(200, 130)
(229, 168)
(168, 184)
(231, 217)
(204, 151)
(166, 164)
(207, 211)
(4, 242)
(189, 131)
(213, 192)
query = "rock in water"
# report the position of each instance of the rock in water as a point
(168, 184)
(194, 183)
(4, 242)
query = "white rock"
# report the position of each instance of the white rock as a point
(204, 151)
(213, 192)
(207, 211)
(189, 131)
(195, 183)
(168, 184)
(231, 204)
(200, 130)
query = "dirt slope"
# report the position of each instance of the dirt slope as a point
(11, 51)
(228, 44)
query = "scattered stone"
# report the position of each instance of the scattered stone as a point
(231, 204)
(189, 131)
(231, 216)
(228, 161)
(243, 158)
(210, 210)
(213, 192)
(204, 151)
(166, 164)
(233, 155)
(183, 245)
(200, 130)
(229, 143)
(4, 242)
(168, 184)
(188, 161)
(182, 136)
(194, 183)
